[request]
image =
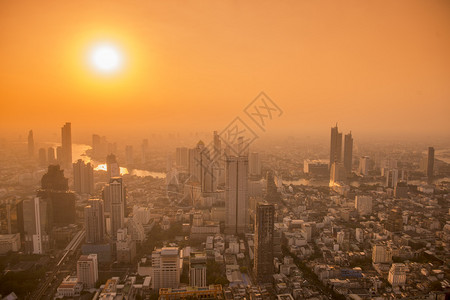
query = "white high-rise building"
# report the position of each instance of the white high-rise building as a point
(197, 269)
(87, 270)
(37, 237)
(166, 268)
(363, 205)
(236, 194)
(397, 275)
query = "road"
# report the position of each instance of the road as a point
(55, 275)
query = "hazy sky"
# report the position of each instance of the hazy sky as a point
(372, 66)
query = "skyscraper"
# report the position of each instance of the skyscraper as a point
(30, 215)
(55, 189)
(94, 221)
(87, 270)
(116, 196)
(254, 164)
(83, 177)
(182, 158)
(112, 166)
(264, 224)
(51, 157)
(364, 165)
(30, 143)
(430, 164)
(236, 194)
(348, 153)
(66, 138)
(335, 145)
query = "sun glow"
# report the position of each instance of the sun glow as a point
(106, 58)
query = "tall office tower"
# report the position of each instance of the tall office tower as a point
(217, 145)
(254, 164)
(30, 144)
(116, 199)
(66, 138)
(197, 269)
(51, 157)
(145, 153)
(94, 221)
(236, 194)
(129, 160)
(348, 152)
(32, 221)
(196, 163)
(112, 166)
(165, 271)
(38, 236)
(391, 178)
(59, 155)
(335, 145)
(337, 173)
(397, 275)
(430, 164)
(364, 165)
(182, 158)
(272, 194)
(264, 224)
(363, 205)
(87, 270)
(83, 177)
(55, 189)
(42, 157)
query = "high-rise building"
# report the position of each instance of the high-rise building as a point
(364, 162)
(348, 153)
(337, 173)
(254, 164)
(363, 205)
(430, 164)
(381, 254)
(197, 269)
(94, 221)
(66, 138)
(335, 146)
(263, 259)
(55, 189)
(182, 158)
(397, 274)
(125, 246)
(51, 157)
(236, 194)
(33, 226)
(112, 166)
(394, 222)
(38, 236)
(87, 270)
(391, 178)
(83, 177)
(30, 144)
(195, 162)
(165, 271)
(116, 200)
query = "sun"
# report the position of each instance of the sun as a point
(106, 58)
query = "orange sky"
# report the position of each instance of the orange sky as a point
(372, 66)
